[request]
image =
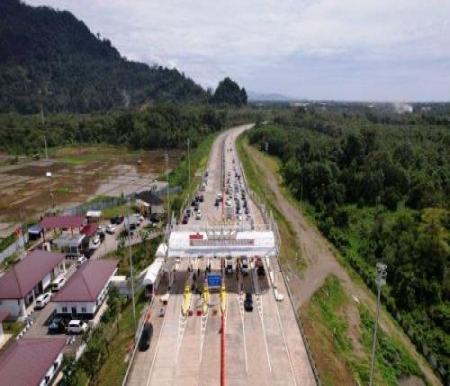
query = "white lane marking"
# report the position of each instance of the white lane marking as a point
(284, 337)
(259, 305)
(241, 312)
(150, 370)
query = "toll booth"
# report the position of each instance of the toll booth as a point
(214, 281)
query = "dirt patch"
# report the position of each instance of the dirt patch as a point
(78, 174)
(411, 381)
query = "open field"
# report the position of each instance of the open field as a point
(78, 174)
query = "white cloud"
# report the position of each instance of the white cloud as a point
(243, 38)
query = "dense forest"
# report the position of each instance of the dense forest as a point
(378, 185)
(50, 59)
(159, 126)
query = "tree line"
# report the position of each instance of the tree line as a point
(379, 190)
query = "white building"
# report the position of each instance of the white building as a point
(86, 290)
(32, 361)
(30, 277)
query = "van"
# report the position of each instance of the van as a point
(58, 283)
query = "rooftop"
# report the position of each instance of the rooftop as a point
(60, 222)
(87, 282)
(27, 360)
(29, 271)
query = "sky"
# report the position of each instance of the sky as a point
(371, 50)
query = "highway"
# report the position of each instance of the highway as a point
(262, 347)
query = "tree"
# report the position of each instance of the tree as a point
(71, 376)
(229, 93)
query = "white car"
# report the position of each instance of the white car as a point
(95, 242)
(111, 228)
(42, 300)
(81, 260)
(198, 215)
(76, 326)
(58, 283)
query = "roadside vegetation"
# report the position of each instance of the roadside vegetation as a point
(329, 331)
(378, 188)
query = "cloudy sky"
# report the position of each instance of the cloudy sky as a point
(317, 49)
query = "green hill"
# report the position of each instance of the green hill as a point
(49, 56)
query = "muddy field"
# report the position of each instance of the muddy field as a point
(78, 174)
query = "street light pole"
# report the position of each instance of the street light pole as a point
(380, 281)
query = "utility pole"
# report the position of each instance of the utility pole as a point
(131, 271)
(380, 281)
(45, 144)
(166, 159)
(189, 164)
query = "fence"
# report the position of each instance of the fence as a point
(15, 247)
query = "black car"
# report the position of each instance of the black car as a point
(114, 220)
(57, 325)
(202, 198)
(248, 302)
(120, 220)
(260, 271)
(193, 202)
(188, 213)
(146, 336)
(185, 220)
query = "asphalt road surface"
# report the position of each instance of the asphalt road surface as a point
(262, 347)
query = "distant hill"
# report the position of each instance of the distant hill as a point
(50, 56)
(271, 97)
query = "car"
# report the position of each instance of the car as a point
(146, 336)
(81, 259)
(248, 302)
(217, 202)
(188, 212)
(244, 265)
(162, 312)
(42, 300)
(119, 220)
(101, 229)
(76, 326)
(110, 229)
(58, 283)
(95, 242)
(260, 271)
(219, 196)
(114, 219)
(193, 202)
(57, 325)
(228, 265)
(246, 211)
(198, 215)
(185, 220)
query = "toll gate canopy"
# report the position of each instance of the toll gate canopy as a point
(215, 244)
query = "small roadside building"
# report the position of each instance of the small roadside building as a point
(86, 290)
(71, 245)
(32, 361)
(150, 204)
(35, 232)
(29, 278)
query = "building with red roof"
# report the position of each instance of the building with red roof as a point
(86, 290)
(30, 277)
(31, 361)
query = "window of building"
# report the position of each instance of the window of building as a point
(83, 310)
(64, 309)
